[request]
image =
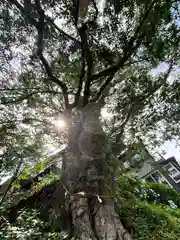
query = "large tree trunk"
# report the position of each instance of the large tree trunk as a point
(92, 210)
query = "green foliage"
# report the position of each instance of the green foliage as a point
(14, 198)
(28, 171)
(158, 193)
(147, 217)
(28, 226)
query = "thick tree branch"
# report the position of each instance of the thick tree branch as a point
(86, 55)
(134, 62)
(83, 59)
(96, 9)
(37, 89)
(144, 18)
(31, 20)
(89, 60)
(40, 28)
(129, 49)
(82, 75)
(40, 45)
(125, 65)
(48, 19)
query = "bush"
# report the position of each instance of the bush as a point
(28, 226)
(148, 211)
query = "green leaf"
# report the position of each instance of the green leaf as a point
(39, 167)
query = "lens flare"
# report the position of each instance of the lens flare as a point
(60, 123)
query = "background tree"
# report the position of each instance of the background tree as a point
(48, 73)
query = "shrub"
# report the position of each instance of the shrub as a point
(148, 211)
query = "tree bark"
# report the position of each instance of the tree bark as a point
(92, 210)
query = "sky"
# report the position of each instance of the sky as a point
(170, 147)
(171, 150)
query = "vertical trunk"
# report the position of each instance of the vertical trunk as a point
(93, 216)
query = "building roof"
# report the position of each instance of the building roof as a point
(168, 160)
(159, 164)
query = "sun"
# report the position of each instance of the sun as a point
(59, 124)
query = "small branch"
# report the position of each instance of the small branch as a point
(21, 98)
(18, 89)
(25, 120)
(102, 88)
(159, 83)
(134, 62)
(144, 18)
(123, 154)
(128, 50)
(48, 19)
(125, 120)
(106, 72)
(166, 75)
(14, 175)
(121, 127)
(75, 11)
